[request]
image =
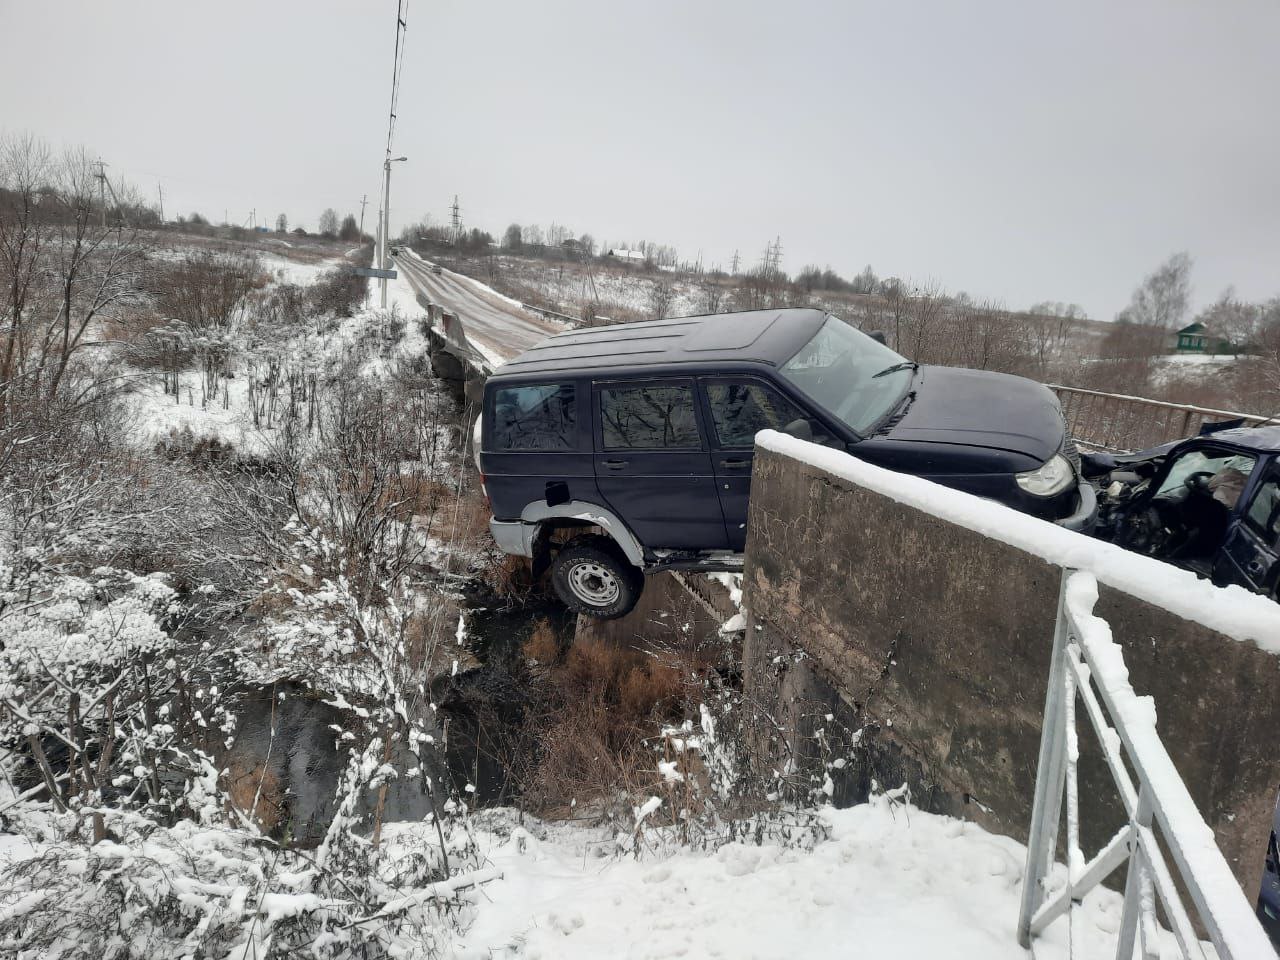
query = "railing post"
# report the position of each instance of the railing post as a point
(1132, 911)
(1042, 838)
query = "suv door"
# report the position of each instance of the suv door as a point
(653, 466)
(739, 408)
(1251, 551)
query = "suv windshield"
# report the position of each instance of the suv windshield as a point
(838, 369)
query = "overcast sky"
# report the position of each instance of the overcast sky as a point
(1005, 149)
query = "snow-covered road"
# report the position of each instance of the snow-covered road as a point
(498, 324)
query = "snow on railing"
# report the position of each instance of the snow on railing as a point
(1088, 666)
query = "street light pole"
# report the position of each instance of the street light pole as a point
(383, 259)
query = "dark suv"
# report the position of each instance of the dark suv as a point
(617, 451)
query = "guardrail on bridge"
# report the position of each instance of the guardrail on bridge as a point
(1120, 424)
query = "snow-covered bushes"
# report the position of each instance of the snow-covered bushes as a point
(206, 889)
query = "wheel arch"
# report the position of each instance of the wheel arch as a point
(588, 514)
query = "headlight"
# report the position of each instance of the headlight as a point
(1052, 477)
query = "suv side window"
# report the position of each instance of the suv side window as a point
(741, 409)
(535, 417)
(649, 417)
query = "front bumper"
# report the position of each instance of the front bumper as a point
(1085, 516)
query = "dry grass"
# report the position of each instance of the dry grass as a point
(414, 496)
(462, 519)
(603, 704)
(542, 646)
(428, 636)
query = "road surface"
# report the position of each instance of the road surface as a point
(497, 325)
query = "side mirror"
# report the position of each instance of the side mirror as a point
(878, 337)
(800, 428)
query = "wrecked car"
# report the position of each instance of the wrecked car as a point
(1209, 504)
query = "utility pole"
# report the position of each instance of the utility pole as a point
(735, 263)
(101, 176)
(383, 260)
(456, 219)
(160, 190)
(363, 201)
(385, 214)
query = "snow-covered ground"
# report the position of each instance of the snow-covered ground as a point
(1183, 366)
(286, 270)
(891, 882)
(155, 414)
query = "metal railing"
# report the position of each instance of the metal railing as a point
(1119, 423)
(1088, 666)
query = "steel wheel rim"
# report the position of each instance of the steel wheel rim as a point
(594, 583)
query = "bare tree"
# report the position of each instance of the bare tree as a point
(662, 294)
(207, 293)
(713, 296)
(25, 167)
(61, 266)
(1164, 296)
(1232, 322)
(866, 281)
(329, 223)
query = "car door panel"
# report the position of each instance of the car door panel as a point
(1250, 553)
(736, 409)
(653, 466)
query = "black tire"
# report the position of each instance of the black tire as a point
(592, 576)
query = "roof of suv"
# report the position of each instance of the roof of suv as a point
(768, 336)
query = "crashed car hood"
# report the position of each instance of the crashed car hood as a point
(980, 409)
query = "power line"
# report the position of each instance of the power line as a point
(396, 63)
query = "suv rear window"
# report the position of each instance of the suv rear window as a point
(649, 417)
(535, 417)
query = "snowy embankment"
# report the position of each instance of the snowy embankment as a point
(228, 417)
(1232, 611)
(892, 881)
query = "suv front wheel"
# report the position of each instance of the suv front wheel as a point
(592, 576)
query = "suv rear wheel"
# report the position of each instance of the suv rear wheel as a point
(592, 576)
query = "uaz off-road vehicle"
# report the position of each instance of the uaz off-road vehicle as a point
(612, 452)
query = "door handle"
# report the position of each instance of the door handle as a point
(735, 463)
(616, 464)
